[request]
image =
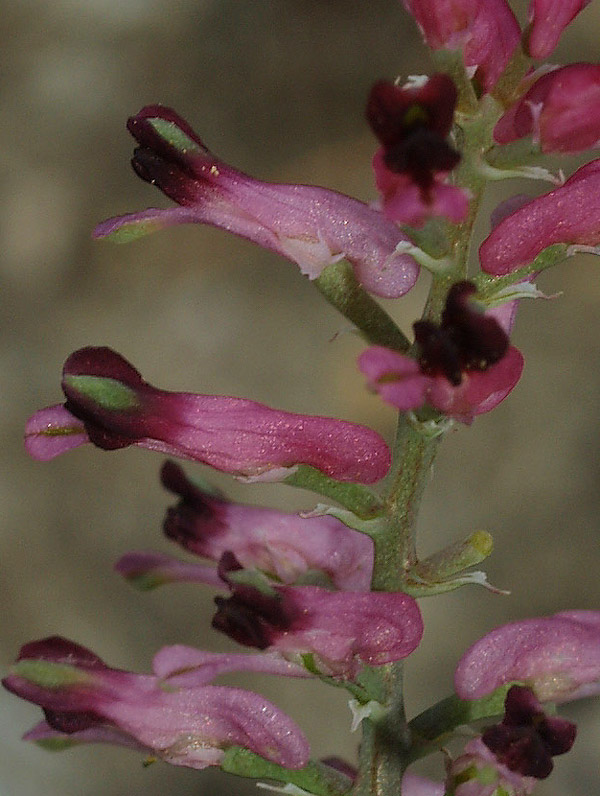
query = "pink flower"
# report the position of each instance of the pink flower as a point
(570, 214)
(342, 631)
(547, 20)
(310, 226)
(557, 656)
(485, 30)
(465, 365)
(412, 123)
(561, 111)
(109, 404)
(86, 701)
(284, 546)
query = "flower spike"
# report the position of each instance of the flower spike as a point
(313, 227)
(109, 404)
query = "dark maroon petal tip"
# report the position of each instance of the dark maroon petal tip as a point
(527, 739)
(145, 134)
(60, 650)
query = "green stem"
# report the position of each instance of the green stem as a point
(395, 544)
(385, 742)
(315, 777)
(338, 285)
(432, 728)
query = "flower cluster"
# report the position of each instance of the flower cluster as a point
(329, 594)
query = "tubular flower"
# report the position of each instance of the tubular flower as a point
(310, 226)
(340, 631)
(558, 657)
(109, 404)
(547, 20)
(485, 30)
(85, 701)
(284, 546)
(570, 214)
(465, 366)
(412, 124)
(561, 111)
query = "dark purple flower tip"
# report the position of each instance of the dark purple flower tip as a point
(60, 650)
(527, 739)
(466, 339)
(412, 124)
(251, 616)
(195, 517)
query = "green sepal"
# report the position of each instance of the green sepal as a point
(134, 229)
(314, 778)
(48, 674)
(174, 136)
(255, 579)
(107, 393)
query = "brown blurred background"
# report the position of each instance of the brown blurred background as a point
(277, 88)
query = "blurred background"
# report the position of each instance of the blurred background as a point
(276, 87)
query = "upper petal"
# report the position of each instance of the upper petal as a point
(558, 656)
(570, 214)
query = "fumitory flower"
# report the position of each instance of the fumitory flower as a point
(311, 226)
(412, 123)
(185, 721)
(340, 631)
(281, 544)
(560, 110)
(109, 404)
(464, 367)
(558, 657)
(547, 20)
(570, 214)
(486, 31)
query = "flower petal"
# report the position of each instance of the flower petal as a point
(570, 214)
(557, 656)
